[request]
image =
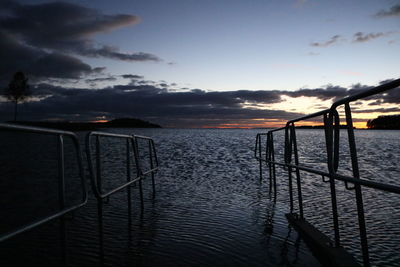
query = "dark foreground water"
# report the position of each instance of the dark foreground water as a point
(210, 208)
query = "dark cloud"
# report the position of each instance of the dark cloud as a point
(394, 11)
(334, 39)
(360, 37)
(101, 79)
(16, 56)
(391, 97)
(113, 53)
(147, 102)
(330, 92)
(99, 70)
(380, 110)
(132, 76)
(192, 108)
(52, 33)
(335, 93)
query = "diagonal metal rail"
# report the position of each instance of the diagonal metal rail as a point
(332, 138)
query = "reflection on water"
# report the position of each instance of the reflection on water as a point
(210, 208)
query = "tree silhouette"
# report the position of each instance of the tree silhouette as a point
(17, 90)
(385, 122)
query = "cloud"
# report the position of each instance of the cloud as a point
(38, 62)
(132, 76)
(101, 79)
(360, 37)
(330, 92)
(63, 28)
(394, 11)
(334, 39)
(113, 53)
(335, 93)
(190, 108)
(377, 110)
(148, 102)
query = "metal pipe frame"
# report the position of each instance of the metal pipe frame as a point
(131, 142)
(96, 174)
(332, 136)
(153, 159)
(61, 170)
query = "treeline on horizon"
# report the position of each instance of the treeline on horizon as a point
(389, 122)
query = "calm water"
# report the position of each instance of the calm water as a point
(210, 208)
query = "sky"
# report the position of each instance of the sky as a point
(188, 63)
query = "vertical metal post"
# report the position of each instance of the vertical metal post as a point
(268, 159)
(288, 156)
(136, 150)
(128, 179)
(141, 193)
(61, 174)
(273, 159)
(296, 161)
(99, 201)
(61, 196)
(152, 166)
(259, 155)
(154, 152)
(332, 172)
(356, 174)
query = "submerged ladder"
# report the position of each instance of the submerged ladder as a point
(331, 126)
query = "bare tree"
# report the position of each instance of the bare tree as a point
(17, 90)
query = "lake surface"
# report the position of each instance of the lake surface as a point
(209, 210)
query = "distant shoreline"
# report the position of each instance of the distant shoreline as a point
(90, 126)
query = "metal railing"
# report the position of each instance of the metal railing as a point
(95, 170)
(63, 209)
(153, 160)
(132, 152)
(131, 143)
(331, 125)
